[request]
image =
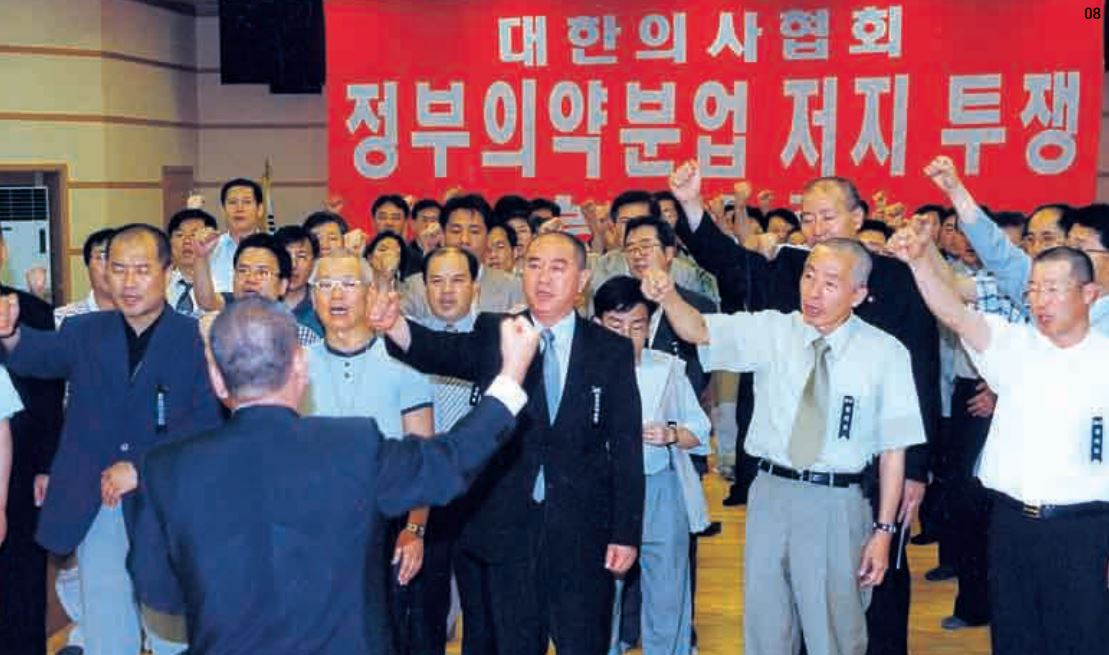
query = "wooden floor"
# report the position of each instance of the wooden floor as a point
(720, 602)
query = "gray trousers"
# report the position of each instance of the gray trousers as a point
(667, 606)
(802, 557)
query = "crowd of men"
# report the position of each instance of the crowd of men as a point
(330, 440)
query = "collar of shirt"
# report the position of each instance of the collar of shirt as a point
(1099, 315)
(364, 348)
(563, 332)
(838, 339)
(138, 343)
(656, 320)
(464, 324)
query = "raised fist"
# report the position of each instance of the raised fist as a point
(943, 174)
(685, 182)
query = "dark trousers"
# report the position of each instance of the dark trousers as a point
(968, 507)
(746, 467)
(1048, 583)
(934, 517)
(477, 611)
(419, 609)
(887, 618)
(22, 574)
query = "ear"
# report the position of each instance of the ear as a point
(282, 288)
(857, 218)
(299, 370)
(583, 280)
(1090, 292)
(860, 295)
(218, 385)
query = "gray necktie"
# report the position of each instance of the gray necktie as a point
(807, 439)
(185, 301)
(553, 395)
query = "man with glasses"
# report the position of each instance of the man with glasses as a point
(1044, 459)
(184, 229)
(303, 252)
(244, 210)
(350, 374)
(1088, 231)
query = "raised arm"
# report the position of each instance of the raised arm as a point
(1009, 264)
(688, 323)
(207, 298)
(911, 245)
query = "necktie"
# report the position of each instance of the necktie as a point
(185, 301)
(553, 395)
(807, 438)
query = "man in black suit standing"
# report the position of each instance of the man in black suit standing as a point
(286, 559)
(560, 509)
(35, 432)
(831, 208)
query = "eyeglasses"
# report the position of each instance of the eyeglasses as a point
(258, 273)
(346, 284)
(1049, 292)
(637, 249)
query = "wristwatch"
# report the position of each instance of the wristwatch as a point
(416, 529)
(884, 527)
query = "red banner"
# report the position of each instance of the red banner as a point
(589, 98)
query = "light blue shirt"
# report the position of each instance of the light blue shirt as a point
(222, 263)
(10, 404)
(667, 396)
(563, 332)
(366, 383)
(1013, 267)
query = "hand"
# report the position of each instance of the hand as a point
(910, 243)
(895, 214)
(943, 173)
(685, 182)
(657, 286)
(656, 434)
(876, 559)
(9, 314)
(431, 238)
(619, 559)
(742, 191)
(194, 201)
(519, 341)
(355, 241)
(911, 498)
(766, 244)
(409, 553)
(452, 192)
(765, 199)
(41, 484)
(117, 480)
(983, 402)
(36, 280)
(879, 200)
(383, 309)
(206, 240)
(410, 199)
(553, 225)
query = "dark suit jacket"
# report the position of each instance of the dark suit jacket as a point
(592, 455)
(35, 430)
(267, 533)
(111, 415)
(667, 341)
(894, 305)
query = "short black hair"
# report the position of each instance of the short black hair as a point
(659, 196)
(97, 238)
(939, 210)
(511, 204)
(509, 233)
(1010, 219)
(161, 241)
(663, 229)
(1081, 266)
(631, 198)
(255, 188)
(287, 235)
(264, 241)
(316, 219)
(621, 294)
(470, 202)
(546, 203)
(1063, 208)
(1094, 217)
(471, 260)
(391, 199)
(178, 219)
(876, 226)
(786, 215)
(384, 236)
(426, 203)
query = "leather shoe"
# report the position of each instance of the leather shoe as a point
(940, 573)
(711, 531)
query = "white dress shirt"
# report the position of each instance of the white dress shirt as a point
(222, 263)
(667, 396)
(1048, 398)
(868, 369)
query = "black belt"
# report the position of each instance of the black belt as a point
(1051, 511)
(812, 477)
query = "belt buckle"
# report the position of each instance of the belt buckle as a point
(805, 475)
(1031, 511)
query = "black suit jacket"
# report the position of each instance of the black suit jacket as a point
(267, 532)
(592, 455)
(667, 341)
(894, 305)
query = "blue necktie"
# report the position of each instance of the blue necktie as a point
(553, 395)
